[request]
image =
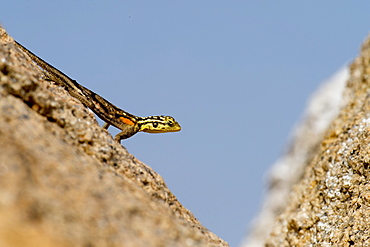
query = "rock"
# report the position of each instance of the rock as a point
(64, 180)
(322, 108)
(329, 204)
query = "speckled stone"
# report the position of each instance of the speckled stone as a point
(329, 205)
(64, 180)
(324, 105)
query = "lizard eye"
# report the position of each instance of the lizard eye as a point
(155, 125)
(170, 123)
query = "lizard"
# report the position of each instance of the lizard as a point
(129, 124)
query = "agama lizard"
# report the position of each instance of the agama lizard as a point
(129, 124)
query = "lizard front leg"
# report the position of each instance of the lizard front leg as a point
(126, 133)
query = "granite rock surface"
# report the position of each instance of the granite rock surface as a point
(329, 205)
(64, 180)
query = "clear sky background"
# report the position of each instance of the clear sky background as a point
(235, 74)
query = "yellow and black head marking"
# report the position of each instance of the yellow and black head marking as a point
(159, 124)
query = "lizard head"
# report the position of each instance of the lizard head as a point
(159, 124)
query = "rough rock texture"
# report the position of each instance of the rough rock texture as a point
(322, 108)
(65, 182)
(330, 204)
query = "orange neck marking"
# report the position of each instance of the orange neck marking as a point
(127, 121)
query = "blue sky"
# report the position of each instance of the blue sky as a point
(235, 74)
